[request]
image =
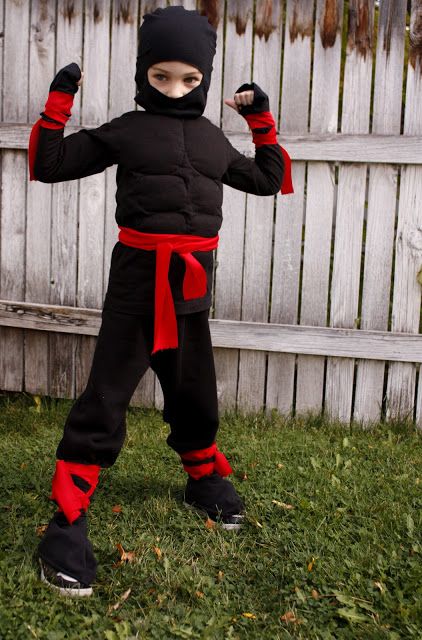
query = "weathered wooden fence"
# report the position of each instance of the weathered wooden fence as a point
(317, 302)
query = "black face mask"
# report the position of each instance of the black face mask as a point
(174, 33)
(191, 105)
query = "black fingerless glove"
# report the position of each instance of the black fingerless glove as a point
(260, 104)
(66, 79)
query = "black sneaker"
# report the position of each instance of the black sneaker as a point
(217, 497)
(64, 584)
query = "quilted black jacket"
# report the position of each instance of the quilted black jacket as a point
(170, 176)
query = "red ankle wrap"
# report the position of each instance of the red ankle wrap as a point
(69, 498)
(203, 462)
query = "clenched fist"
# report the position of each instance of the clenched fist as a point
(249, 98)
(68, 79)
(244, 98)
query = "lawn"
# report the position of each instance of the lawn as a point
(331, 548)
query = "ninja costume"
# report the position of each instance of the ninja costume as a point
(172, 163)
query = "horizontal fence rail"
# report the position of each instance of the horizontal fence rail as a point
(330, 147)
(232, 334)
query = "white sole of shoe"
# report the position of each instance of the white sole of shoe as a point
(227, 526)
(73, 593)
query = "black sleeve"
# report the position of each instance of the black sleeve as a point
(77, 155)
(261, 176)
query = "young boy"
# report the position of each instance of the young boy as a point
(172, 162)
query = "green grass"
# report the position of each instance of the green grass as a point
(353, 538)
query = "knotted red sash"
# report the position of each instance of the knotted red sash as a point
(69, 498)
(58, 106)
(194, 281)
(263, 120)
(202, 462)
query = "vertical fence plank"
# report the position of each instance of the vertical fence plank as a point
(320, 198)
(290, 209)
(124, 39)
(65, 198)
(213, 109)
(214, 10)
(350, 204)
(228, 275)
(259, 211)
(419, 401)
(2, 9)
(92, 188)
(14, 175)
(2, 39)
(38, 208)
(408, 262)
(381, 205)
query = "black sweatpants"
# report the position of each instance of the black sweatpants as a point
(95, 427)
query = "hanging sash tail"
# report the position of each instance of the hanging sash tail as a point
(55, 115)
(263, 130)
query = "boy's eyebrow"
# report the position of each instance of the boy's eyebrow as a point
(189, 73)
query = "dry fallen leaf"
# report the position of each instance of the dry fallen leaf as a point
(380, 586)
(157, 552)
(311, 564)
(125, 556)
(245, 476)
(123, 597)
(282, 504)
(37, 402)
(315, 594)
(117, 508)
(210, 524)
(220, 576)
(24, 465)
(289, 616)
(41, 529)
(280, 465)
(251, 616)
(199, 594)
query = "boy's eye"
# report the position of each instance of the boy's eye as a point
(160, 76)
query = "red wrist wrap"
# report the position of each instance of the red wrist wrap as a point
(203, 462)
(69, 498)
(58, 106)
(265, 119)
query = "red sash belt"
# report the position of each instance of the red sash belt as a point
(194, 281)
